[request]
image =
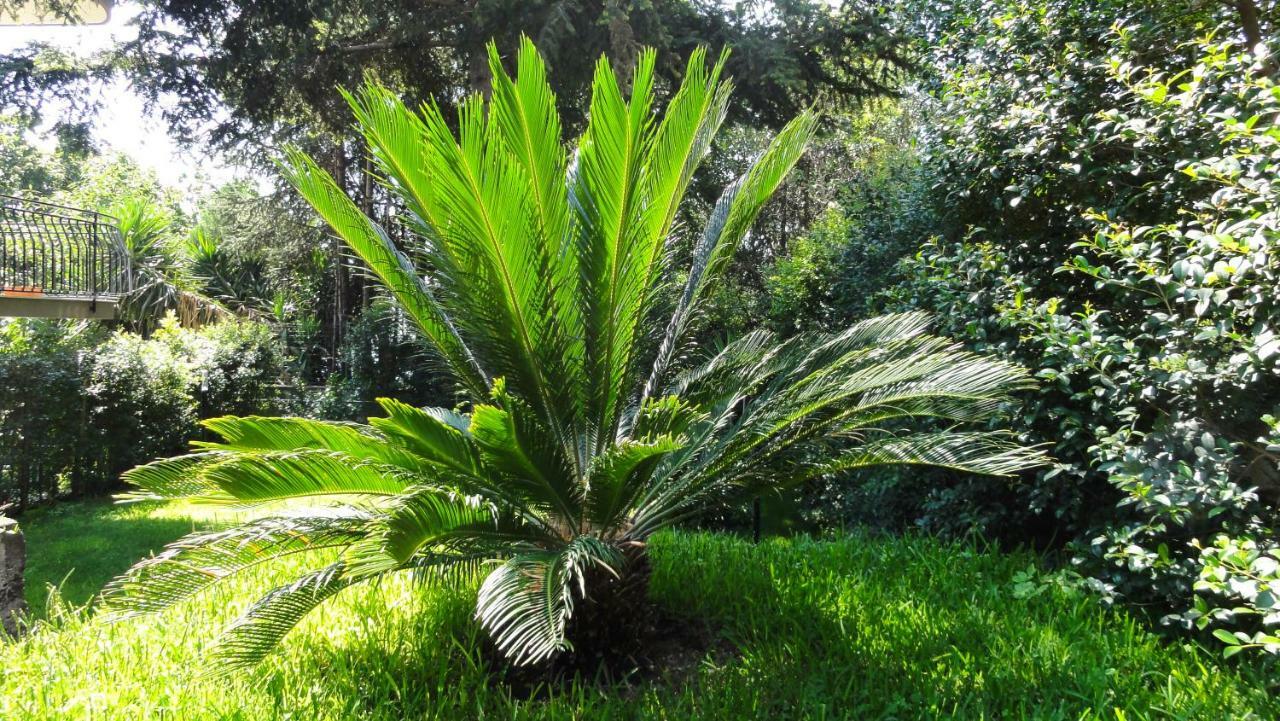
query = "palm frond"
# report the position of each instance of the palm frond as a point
(248, 478)
(515, 445)
(620, 474)
(607, 193)
(986, 453)
(525, 603)
(435, 434)
(197, 561)
(261, 433)
(261, 628)
(174, 478)
(730, 220)
(505, 271)
(256, 478)
(427, 517)
(391, 267)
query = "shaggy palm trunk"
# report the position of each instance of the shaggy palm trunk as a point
(609, 626)
(611, 629)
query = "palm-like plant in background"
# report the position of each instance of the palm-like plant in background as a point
(579, 440)
(162, 277)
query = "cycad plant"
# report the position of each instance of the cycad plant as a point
(536, 273)
(161, 276)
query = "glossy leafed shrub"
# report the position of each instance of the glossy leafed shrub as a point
(1121, 235)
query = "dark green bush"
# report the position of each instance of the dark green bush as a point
(79, 405)
(140, 406)
(1113, 223)
(42, 408)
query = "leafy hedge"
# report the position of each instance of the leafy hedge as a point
(1114, 225)
(79, 405)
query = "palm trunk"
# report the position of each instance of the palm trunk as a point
(609, 627)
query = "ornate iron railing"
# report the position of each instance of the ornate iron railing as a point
(49, 250)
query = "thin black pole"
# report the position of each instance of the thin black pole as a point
(755, 521)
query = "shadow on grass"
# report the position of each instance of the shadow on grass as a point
(80, 546)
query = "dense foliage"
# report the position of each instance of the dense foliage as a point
(108, 401)
(1112, 222)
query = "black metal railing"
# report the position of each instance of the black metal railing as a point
(54, 250)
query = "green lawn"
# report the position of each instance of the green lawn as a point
(80, 546)
(857, 628)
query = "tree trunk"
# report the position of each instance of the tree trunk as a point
(1248, 12)
(610, 626)
(478, 77)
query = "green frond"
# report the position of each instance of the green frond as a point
(515, 445)
(683, 137)
(524, 110)
(427, 518)
(668, 415)
(506, 275)
(434, 434)
(615, 235)
(619, 475)
(265, 624)
(985, 453)
(197, 561)
(395, 136)
(174, 478)
(256, 478)
(524, 115)
(729, 223)
(525, 603)
(391, 266)
(259, 433)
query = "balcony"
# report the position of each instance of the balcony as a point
(59, 262)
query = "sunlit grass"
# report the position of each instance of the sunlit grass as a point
(855, 628)
(81, 546)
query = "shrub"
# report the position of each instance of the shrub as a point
(140, 405)
(1118, 232)
(79, 405)
(832, 273)
(43, 412)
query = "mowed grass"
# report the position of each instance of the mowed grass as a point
(80, 546)
(855, 628)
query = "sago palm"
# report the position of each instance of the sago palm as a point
(535, 272)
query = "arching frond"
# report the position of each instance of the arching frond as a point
(258, 433)
(993, 454)
(251, 478)
(260, 629)
(434, 434)
(514, 445)
(525, 603)
(619, 475)
(197, 561)
(391, 266)
(730, 220)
